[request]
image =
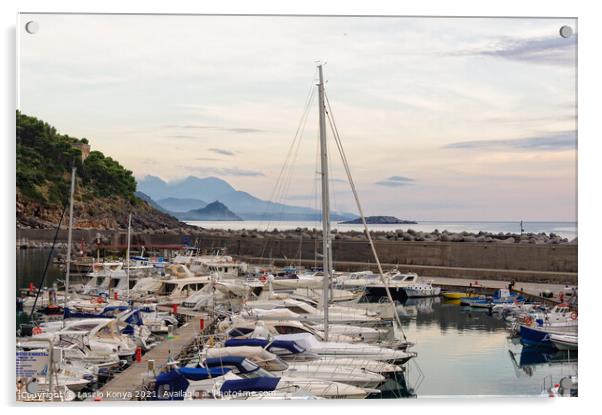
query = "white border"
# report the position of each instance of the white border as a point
(589, 188)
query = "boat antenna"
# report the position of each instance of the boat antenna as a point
(325, 200)
(69, 238)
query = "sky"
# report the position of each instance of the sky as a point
(440, 118)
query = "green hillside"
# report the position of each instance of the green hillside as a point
(104, 192)
(45, 158)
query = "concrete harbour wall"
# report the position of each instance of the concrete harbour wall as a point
(534, 262)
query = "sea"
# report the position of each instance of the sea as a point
(564, 229)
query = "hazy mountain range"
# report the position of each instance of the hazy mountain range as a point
(181, 197)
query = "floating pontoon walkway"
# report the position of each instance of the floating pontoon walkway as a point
(127, 385)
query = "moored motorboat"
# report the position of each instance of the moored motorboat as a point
(564, 341)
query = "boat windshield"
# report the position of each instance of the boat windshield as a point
(403, 277)
(167, 288)
(259, 373)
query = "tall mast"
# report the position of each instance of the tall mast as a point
(69, 236)
(127, 255)
(325, 202)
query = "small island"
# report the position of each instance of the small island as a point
(379, 220)
(215, 211)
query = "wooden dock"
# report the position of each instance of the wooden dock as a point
(127, 384)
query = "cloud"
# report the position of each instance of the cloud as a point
(208, 159)
(559, 141)
(400, 179)
(549, 50)
(222, 151)
(224, 171)
(244, 130)
(396, 181)
(181, 136)
(237, 130)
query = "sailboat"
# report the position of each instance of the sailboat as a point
(327, 263)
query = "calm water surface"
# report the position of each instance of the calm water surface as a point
(467, 352)
(460, 351)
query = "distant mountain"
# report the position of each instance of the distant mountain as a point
(379, 220)
(150, 201)
(174, 204)
(213, 211)
(243, 204)
(208, 188)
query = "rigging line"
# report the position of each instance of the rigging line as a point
(276, 189)
(337, 138)
(310, 93)
(288, 168)
(291, 171)
(43, 279)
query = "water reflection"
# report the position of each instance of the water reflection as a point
(30, 267)
(464, 351)
(530, 358)
(447, 315)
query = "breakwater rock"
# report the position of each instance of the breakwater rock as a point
(408, 235)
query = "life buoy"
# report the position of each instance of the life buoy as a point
(574, 315)
(98, 300)
(528, 320)
(37, 330)
(263, 278)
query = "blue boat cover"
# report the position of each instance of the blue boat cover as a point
(241, 364)
(236, 332)
(171, 386)
(129, 330)
(135, 318)
(202, 373)
(289, 345)
(68, 313)
(261, 384)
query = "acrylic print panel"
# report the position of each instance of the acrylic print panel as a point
(295, 207)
